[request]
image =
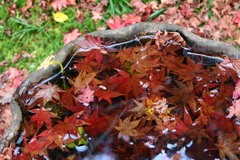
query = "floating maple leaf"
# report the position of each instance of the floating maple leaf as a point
(68, 37)
(126, 128)
(69, 124)
(183, 94)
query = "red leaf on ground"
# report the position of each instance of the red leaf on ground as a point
(58, 4)
(236, 19)
(139, 6)
(5, 118)
(68, 37)
(127, 19)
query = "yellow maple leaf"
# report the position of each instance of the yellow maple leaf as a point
(60, 17)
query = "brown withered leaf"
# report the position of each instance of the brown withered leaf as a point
(227, 145)
(139, 109)
(126, 128)
(183, 94)
(164, 38)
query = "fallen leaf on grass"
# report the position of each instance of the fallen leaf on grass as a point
(127, 19)
(60, 17)
(9, 82)
(236, 19)
(58, 4)
(68, 37)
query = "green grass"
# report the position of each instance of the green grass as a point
(37, 38)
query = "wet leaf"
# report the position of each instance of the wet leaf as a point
(227, 145)
(41, 117)
(47, 93)
(126, 128)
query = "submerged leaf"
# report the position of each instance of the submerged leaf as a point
(41, 117)
(126, 128)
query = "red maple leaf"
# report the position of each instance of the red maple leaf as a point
(89, 42)
(236, 92)
(127, 84)
(95, 54)
(96, 48)
(52, 139)
(55, 135)
(33, 148)
(107, 95)
(41, 117)
(180, 126)
(69, 124)
(46, 93)
(68, 37)
(126, 20)
(97, 125)
(236, 19)
(58, 4)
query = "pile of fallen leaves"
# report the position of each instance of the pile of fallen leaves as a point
(9, 82)
(148, 100)
(213, 19)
